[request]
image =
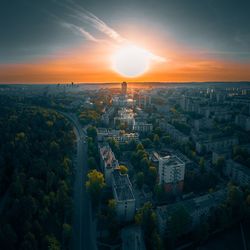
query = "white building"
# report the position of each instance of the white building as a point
(108, 162)
(171, 172)
(120, 136)
(123, 195)
(125, 117)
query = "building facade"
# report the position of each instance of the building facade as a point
(171, 173)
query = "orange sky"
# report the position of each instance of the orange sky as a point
(93, 64)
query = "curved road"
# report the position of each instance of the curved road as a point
(83, 229)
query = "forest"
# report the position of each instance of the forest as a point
(36, 176)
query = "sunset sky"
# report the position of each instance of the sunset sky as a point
(54, 41)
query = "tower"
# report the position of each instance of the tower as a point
(124, 88)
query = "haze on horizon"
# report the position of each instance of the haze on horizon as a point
(62, 41)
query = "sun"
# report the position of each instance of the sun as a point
(131, 61)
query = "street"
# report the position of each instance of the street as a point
(82, 230)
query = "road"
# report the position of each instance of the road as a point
(83, 229)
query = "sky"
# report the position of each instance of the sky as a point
(60, 41)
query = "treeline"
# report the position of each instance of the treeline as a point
(36, 176)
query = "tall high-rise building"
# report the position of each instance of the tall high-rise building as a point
(171, 173)
(124, 88)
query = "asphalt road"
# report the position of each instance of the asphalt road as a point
(83, 229)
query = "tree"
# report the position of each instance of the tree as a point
(147, 143)
(140, 179)
(111, 218)
(123, 169)
(144, 164)
(139, 147)
(67, 232)
(156, 141)
(159, 193)
(52, 243)
(235, 199)
(179, 221)
(151, 176)
(146, 218)
(95, 184)
(92, 163)
(202, 164)
(92, 132)
(166, 139)
(220, 163)
(132, 145)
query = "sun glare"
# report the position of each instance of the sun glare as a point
(131, 61)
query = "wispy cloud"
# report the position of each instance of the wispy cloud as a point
(81, 21)
(80, 31)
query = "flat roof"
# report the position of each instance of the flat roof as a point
(122, 186)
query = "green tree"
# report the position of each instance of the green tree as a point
(147, 143)
(139, 147)
(179, 221)
(67, 232)
(156, 141)
(151, 176)
(95, 184)
(146, 218)
(92, 163)
(92, 132)
(166, 139)
(52, 243)
(202, 164)
(219, 165)
(140, 179)
(123, 169)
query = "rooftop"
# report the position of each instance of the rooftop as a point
(122, 186)
(108, 156)
(171, 160)
(191, 205)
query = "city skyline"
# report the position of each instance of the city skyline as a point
(58, 42)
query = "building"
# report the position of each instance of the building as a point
(224, 143)
(243, 121)
(123, 195)
(106, 116)
(124, 88)
(142, 127)
(108, 162)
(196, 208)
(120, 136)
(171, 173)
(143, 100)
(237, 172)
(203, 124)
(132, 238)
(220, 154)
(125, 117)
(175, 134)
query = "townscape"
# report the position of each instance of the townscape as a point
(159, 167)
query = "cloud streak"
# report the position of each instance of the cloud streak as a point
(89, 20)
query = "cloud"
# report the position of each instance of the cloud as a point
(80, 31)
(88, 20)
